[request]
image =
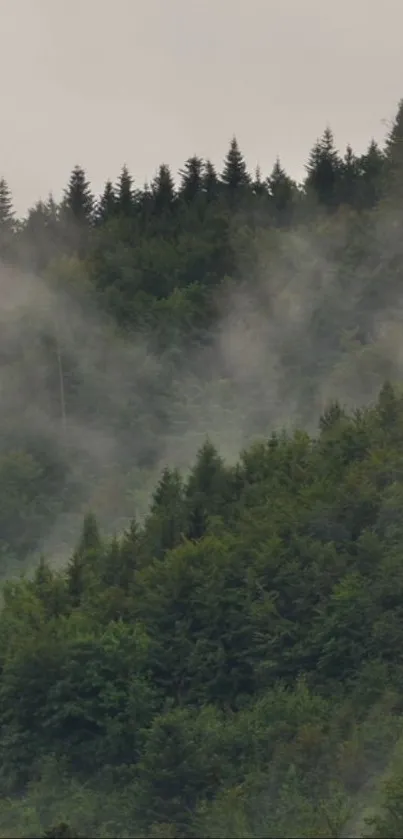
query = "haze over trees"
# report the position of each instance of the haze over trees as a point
(201, 473)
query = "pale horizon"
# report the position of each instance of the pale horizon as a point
(98, 84)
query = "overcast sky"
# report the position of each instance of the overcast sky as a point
(103, 82)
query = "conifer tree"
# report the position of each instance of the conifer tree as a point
(281, 191)
(394, 141)
(259, 187)
(349, 178)
(90, 539)
(88, 547)
(6, 208)
(323, 171)
(205, 491)
(393, 186)
(234, 175)
(210, 182)
(78, 202)
(372, 166)
(125, 193)
(107, 204)
(163, 190)
(7, 222)
(40, 234)
(166, 523)
(130, 544)
(145, 202)
(191, 179)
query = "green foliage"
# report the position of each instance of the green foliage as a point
(227, 661)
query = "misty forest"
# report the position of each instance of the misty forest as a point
(201, 498)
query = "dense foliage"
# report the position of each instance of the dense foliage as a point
(219, 654)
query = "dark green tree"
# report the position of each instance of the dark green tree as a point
(106, 208)
(394, 144)
(324, 171)
(78, 200)
(210, 181)
(166, 523)
(259, 187)
(125, 198)
(206, 491)
(372, 166)
(281, 191)
(7, 219)
(81, 566)
(163, 190)
(191, 179)
(6, 208)
(349, 178)
(235, 175)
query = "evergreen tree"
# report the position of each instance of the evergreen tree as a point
(323, 171)
(145, 202)
(210, 182)
(371, 165)
(393, 185)
(7, 223)
(88, 548)
(349, 178)
(90, 539)
(125, 194)
(106, 208)
(259, 187)
(191, 179)
(163, 190)
(394, 141)
(206, 490)
(6, 209)
(78, 202)
(234, 175)
(130, 546)
(40, 234)
(165, 525)
(281, 191)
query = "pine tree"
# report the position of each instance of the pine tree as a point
(125, 194)
(234, 175)
(6, 208)
(259, 187)
(191, 179)
(78, 202)
(210, 182)
(107, 204)
(145, 203)
(163, 190)
(166, 523)
(394, 158)
(90, 539)
(372, 167)
(349, 178)
(79, 567)
(7, 223)
(40, 234)
(205, 491)
(394, 140)
(323, 171)
(281, 191)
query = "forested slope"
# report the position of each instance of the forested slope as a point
(207, 374)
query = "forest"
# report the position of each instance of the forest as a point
(201, 495)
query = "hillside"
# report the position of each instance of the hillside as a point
(201, 475)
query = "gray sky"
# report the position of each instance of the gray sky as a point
(103, 82)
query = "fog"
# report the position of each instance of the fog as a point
(113, 413)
